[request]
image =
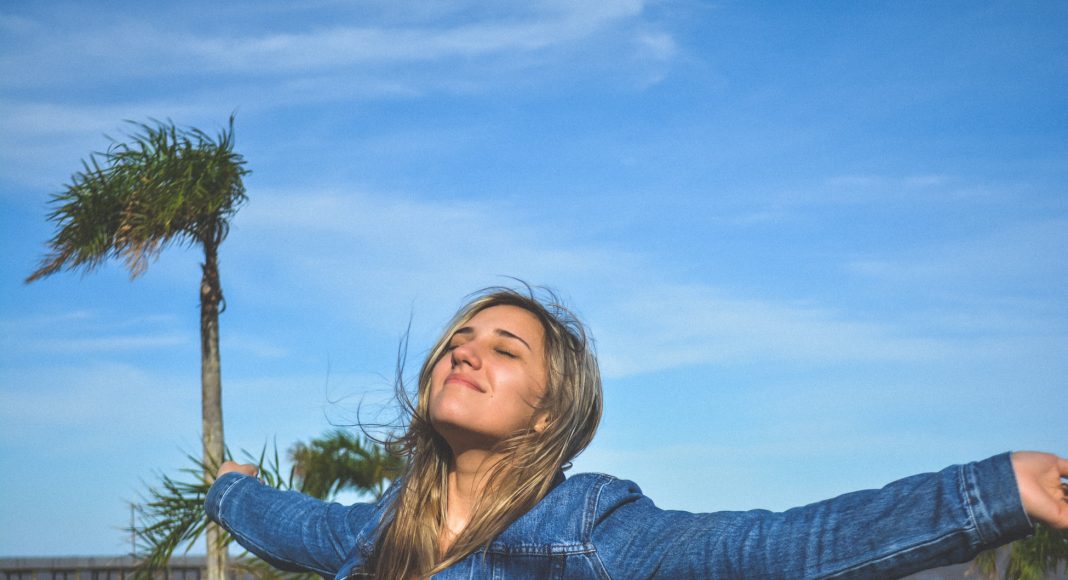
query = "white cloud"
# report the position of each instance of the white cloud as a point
(374, 256)
(187, 70)
(665, 325)
(386, 251)
(1019, 254)
(549, 24)
(41, 143)
(254, 346)
(133, 48)
(12, 24)
(346, 46)
(658, 45)
(101, 403)
(91, 332)
(43, 119)
(918, 188)
(11, 325)
(292, 406)
(110, 343)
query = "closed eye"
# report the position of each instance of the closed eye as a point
(503, 352)
(451, 347)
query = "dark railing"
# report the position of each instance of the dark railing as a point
(100, 568)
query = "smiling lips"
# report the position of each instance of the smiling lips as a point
(464, 381)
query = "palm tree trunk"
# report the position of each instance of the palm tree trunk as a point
(211, 394)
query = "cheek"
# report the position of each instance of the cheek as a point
(522, 395)
(439, 371)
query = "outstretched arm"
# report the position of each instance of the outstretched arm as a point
(1043, 490)
(289, 530)
(912, 524)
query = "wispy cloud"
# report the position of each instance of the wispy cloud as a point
(345, 46)
(666, 325)
(360, 248)
(936, 190)
(109, 343)
(1017, 254)
(48, 119)
(310, 403)
(90, 332)
(84, 318)
(374, 255)
(254, 346)
(944, 193)
(10, 325)
(306, 56)
(102, 403)
(134, 48)
(44, 142)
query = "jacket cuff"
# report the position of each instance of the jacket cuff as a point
(217, 492)
(993, 500)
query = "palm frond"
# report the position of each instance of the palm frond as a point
(342, 461)
(170, 515)
(263, 571)
(164, 185)
(1034, 558)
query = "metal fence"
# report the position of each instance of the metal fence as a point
(101, 568)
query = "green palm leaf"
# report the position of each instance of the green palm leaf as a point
(1034, 558)
(170, 515)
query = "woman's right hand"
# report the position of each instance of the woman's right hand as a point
(1043, 490)
(243, 468)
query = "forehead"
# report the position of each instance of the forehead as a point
(513, 319)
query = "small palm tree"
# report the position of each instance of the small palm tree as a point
(340, 461)
(167, 185)
(1034, 558)
(171, 514)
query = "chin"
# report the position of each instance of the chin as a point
(447, 423)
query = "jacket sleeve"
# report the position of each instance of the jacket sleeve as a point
(289, 530)
(919, 522)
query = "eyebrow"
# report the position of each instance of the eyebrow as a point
(498, 332)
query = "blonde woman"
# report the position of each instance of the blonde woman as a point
(508, 396)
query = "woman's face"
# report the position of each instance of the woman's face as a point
(486, 385)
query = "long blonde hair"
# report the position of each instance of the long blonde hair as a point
(410, 531)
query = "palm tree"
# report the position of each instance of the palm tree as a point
(167, 185)
(340, 461)
(171, 514)
(1034, 558)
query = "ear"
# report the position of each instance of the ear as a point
(541, 422)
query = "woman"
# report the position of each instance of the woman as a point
(509, 395)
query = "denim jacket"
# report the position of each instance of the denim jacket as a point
(597, 526)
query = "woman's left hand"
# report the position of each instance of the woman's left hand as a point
(233, 466)
(1040, 477)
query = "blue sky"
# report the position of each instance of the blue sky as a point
(820, 248)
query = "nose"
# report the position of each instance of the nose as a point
(467, 353)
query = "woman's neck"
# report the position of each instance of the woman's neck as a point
(466, 480)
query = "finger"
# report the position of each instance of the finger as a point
(232, 466)
(226, 467)
(1062, 466)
